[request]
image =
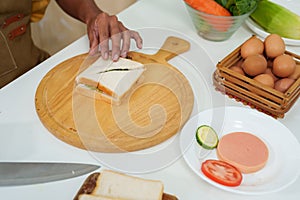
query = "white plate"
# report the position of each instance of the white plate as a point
(283, 165)
(292, 5)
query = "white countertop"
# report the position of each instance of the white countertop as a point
(24, 138)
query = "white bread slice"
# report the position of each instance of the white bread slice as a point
(95, 93)
(118, 185)
(114, 79)
(94, 197)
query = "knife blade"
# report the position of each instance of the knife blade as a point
(25, 173)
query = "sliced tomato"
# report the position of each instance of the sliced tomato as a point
(222, 172)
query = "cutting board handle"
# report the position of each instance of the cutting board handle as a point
(171, 48)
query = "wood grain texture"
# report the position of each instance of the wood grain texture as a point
(152, 112)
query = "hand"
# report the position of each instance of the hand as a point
(104, 27)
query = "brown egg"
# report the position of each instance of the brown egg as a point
(269, 71)
(284, 65)
(274, 45)
(251, 47)
(254, 65)
(283, 84)
(239, 63)
(296, 73)
(237, 69)
(265, 79)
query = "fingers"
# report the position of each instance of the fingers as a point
(126, 43)
(126, 40)
(115, 37)
(107, 27)
(102, 27)
(127, 35)
(138, 39)
(93, 38)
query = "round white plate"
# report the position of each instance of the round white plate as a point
(292, 5)
(282, 167)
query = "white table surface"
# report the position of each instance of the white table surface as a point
(24, 138)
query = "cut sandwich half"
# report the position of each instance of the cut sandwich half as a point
(121, 186)
(108, 80)
(113, 185)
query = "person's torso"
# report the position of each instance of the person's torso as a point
(18, 54)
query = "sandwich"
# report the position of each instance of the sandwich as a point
(109, 80)
(112, 185)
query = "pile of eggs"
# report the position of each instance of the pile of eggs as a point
(266, 62)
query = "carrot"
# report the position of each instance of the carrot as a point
(209, 7)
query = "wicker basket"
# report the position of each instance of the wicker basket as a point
(251, 92)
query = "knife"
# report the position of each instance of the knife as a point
(25, 173)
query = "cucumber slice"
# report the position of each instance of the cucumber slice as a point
(207, 137)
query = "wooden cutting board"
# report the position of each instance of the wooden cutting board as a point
(151, 113)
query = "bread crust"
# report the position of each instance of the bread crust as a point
(90, 182)
(97, 95)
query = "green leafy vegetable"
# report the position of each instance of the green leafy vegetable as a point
(238, 7)
(114, 69)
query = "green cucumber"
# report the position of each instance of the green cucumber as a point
(207, 137)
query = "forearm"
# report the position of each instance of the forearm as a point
(83, 10)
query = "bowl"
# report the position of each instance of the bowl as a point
(213, 27)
